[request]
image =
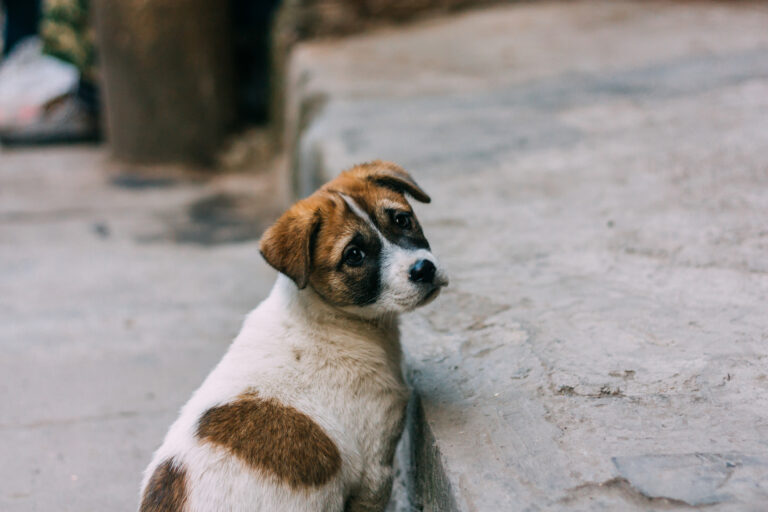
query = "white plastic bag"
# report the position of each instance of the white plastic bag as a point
(29, 80)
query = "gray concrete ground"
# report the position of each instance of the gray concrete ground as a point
(599, 173)
(117, 296)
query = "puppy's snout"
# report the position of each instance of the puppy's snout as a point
(423, 271)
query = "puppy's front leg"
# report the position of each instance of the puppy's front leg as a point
(374, 496)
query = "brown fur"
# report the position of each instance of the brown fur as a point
(381, 174)
(274, 438)
(369, 185)
(307, 242)
(166, 490)
(287, 244)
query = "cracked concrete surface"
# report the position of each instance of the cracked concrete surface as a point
(599, 172)
(109, 319)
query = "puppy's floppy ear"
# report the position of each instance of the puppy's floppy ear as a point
(287, 244)
(387, 174)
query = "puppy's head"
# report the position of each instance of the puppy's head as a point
(357, 243)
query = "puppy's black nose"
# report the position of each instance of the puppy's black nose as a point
(423, 271)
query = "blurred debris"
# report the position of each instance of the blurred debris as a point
(65, 119)
(29, 80)
(247, 150)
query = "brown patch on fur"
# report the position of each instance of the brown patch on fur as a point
(273, 437)
(166, 489)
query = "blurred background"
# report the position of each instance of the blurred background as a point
(599, 172)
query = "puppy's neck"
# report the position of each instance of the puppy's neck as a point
(313, 307)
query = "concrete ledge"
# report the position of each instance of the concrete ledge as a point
(599, 185)
(430, 488)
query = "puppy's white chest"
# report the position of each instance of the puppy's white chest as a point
(345, 376)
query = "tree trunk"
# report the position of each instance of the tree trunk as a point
(166, 68)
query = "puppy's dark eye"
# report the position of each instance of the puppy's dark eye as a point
(402, 220)
(354, 256)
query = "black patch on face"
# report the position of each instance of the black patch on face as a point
(343, 284)
(384, 220)
(412, 238)
(363, 283)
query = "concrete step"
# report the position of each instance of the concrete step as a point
(598, 171)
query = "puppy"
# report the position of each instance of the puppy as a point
(305, 409)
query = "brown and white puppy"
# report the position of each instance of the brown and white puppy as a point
(305, 409)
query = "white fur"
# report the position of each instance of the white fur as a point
(348, 380)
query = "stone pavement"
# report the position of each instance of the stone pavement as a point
(117, 297)
(599, 172)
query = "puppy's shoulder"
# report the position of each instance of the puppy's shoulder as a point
(272, 437)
